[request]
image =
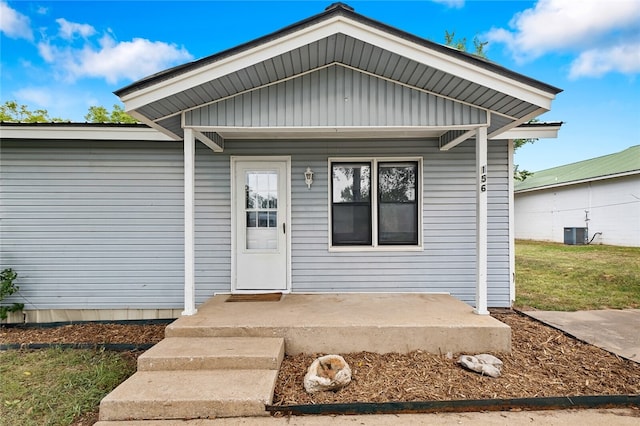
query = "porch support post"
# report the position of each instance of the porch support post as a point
(481, 221)
(189, 219)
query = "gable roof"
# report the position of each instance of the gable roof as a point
(622, 163)
(338, 36)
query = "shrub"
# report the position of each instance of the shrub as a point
(7, 288)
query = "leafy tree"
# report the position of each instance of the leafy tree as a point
(461, 43)
(99, 114)
(12, 112)
(517, 173)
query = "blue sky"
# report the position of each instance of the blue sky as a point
(65, 56)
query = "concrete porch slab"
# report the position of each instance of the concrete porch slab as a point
(346, 323)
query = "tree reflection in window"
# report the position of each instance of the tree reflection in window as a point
(351, 203)
(397, 204)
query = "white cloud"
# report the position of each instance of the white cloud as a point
(38, 97)
(451, 3)
(62, 101)
(624, 58)
(600, 27)
(14, 24)
(68, 30)
(113, 61)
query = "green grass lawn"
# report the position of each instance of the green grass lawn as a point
(558, 277)
(56, 386)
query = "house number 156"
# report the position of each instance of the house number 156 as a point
(483, 179)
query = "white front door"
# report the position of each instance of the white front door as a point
(260, 210)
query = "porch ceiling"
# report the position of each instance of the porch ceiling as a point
(338, 36)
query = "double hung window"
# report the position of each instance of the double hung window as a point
(375, 202)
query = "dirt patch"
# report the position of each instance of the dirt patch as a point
(543, 362)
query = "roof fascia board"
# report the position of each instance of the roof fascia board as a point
(497, 134)
(82, 133)
(338, 24)
(538, 132)
(577, 182)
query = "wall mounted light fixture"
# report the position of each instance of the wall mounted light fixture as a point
(308, 177)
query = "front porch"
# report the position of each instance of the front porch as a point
(345, 323)
(224, 360)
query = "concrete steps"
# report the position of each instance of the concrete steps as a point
(188, 378)
(201, 353)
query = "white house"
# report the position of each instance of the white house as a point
(600, 195)
(338, 154)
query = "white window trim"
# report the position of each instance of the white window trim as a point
(374, 247)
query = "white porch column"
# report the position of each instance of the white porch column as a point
(512, 229)
(189, 219)
(481, 221)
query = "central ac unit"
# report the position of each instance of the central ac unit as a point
(576, 236)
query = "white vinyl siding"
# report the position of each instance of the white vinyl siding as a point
(93, 225)
(99, 225)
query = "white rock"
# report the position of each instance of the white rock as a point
(329, 372)
(485, 364)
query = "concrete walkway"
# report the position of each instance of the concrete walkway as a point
(595, 417)
(616, 331)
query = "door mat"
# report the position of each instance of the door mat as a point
(264, 297)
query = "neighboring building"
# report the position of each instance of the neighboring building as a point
(335, 155)
(601, 194)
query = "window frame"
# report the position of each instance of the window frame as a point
(375, 246)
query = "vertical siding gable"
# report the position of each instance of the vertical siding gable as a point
(365, 100)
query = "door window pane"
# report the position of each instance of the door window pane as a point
(261, 195)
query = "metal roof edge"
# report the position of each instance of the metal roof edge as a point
(598, 168)
(70, 124)
(81, 131)
(577, 182)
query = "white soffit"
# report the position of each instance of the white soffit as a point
(326, 28)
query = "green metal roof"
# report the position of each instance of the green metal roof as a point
(623, 162)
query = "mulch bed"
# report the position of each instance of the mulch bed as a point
(94, 333)
(543, 362)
